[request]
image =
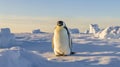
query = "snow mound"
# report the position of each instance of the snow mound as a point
(94, 28)
(13, 58)
(20, 57)
(37, 31)
(112, 32)
(6, 37)
(74, 31)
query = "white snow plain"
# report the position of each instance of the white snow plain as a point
(34, 50)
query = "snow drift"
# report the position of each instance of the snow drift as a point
(6, 37)
(112, 32)
(13, 58)
(20, 57)
(35, 51)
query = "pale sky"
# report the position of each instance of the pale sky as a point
(26, 15)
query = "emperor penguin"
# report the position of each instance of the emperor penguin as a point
(62, 42)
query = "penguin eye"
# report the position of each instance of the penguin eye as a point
(60, 23)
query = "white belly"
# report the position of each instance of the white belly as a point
(61, 42)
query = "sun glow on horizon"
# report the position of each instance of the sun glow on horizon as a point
(20, 24)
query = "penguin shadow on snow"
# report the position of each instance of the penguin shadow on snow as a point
(94, 50)
(97, 54)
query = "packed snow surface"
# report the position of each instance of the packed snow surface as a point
(34, 50)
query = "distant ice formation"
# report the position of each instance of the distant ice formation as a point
(86, 32)
(112, 32)
(5, 31)
(94, 28)
(6, 37)
(74, 31)
(37, 31)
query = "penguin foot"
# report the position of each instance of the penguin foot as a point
(72, 53)
(64, 54)
(60, 55)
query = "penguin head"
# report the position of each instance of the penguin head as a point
(61, 24)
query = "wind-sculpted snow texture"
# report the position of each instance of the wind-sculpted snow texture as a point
(34, 50)
(112, 32)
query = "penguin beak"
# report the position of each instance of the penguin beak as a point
(59, 24)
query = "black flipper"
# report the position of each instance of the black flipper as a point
(70, 40)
